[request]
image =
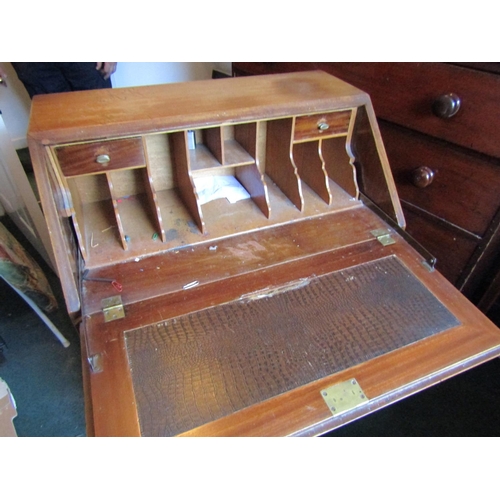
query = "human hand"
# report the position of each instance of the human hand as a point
(3, 77)
(106, 68)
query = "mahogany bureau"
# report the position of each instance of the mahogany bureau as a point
(234, 253)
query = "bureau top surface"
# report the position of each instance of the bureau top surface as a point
(86, 115)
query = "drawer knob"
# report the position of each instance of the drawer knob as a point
(422, 177)
(446, 106)
(323, 126)
(101, 159)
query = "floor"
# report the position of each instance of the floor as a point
(45, 379)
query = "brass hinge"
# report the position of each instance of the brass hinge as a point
(344, 396)
(384, 237)
(112, 308)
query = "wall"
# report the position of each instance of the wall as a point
(15, 102)
(143, 73)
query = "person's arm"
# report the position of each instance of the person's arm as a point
(106, 68)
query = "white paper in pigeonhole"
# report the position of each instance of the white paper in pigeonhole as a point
(220, 186)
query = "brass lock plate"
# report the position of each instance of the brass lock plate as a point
(344, 396)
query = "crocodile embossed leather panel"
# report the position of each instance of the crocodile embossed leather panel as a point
(197, 368)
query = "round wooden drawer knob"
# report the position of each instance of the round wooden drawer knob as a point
(446, 105)
(422, 177)
(102, 159)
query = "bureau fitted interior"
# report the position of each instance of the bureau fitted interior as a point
(136, 196)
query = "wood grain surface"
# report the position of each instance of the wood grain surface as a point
(138, 110)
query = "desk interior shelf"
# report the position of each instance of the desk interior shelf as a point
(137, 196)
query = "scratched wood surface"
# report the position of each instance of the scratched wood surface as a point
(137, 110)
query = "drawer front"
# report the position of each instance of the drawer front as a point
(321, 126)
(408, 94)
(95, 157)
(449, 183)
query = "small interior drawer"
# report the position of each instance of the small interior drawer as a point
(319, 126)
(103, 156)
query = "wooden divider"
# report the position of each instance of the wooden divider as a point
(279, 164)
(184, 181)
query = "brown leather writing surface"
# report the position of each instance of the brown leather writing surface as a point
(196, 368)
